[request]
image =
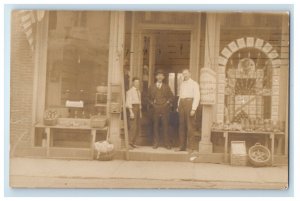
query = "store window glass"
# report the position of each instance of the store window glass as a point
(248, 86)
(77, 62)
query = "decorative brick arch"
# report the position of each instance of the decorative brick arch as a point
(228, 51)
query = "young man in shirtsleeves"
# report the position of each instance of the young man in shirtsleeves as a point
(133, 103)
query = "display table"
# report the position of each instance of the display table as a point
(49, 136)
(226, 134)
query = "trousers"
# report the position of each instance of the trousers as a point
(186, 127)
(135, 124)
(161, 115)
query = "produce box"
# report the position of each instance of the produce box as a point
(238, 156)
(98, 121)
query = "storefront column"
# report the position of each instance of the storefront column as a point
(40, 72)
(115, 63)
(212, 39)
(284, 80)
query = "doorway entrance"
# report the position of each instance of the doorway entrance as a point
(167, 50)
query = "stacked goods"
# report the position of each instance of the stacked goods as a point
(208, 85)
(247, 104)
(242, 115)
(50, 117)
(243, 123)
(268, 125)
(217, 126)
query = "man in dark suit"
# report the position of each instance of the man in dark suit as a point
(160, 97)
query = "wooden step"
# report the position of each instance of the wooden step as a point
(147, 153)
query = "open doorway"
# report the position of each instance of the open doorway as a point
(167, 50)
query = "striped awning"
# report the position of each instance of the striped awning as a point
(29, 19)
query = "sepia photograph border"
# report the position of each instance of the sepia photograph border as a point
(9, 192)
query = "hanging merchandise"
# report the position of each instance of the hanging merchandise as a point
(208, 83)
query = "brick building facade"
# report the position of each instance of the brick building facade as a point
(90, 48)
(21, 89)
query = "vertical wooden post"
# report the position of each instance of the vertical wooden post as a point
(152, 58)
(132, 47)
(195, 48)
(40, 71)
(225, 135)
(284, 78)
(272, 137)
(212, 41)
(48, 134)
(116, 51)
(205, 145)
(136, 52)
(93, 140)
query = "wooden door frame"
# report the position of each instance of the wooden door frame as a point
(39, 74)
(151, 55)
(136, 44)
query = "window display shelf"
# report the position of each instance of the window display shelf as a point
(47, 134)
(226, 134)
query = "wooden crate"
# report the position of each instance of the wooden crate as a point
(238, 155)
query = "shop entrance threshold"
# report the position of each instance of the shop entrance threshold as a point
(147, 153)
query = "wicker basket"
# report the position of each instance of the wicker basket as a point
(105, 156)
(259, 155)
(238, 156)
(98, 122)
(103, 150)
(50, 122)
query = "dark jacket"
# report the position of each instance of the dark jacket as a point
(160, 99)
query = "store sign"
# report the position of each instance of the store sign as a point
(207, 86)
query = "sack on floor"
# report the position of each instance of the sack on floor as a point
(104, 150)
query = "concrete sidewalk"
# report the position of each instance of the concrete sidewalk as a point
(33, 172)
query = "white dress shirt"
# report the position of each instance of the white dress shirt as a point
(190, 89)
(158, 84)
(133, 96)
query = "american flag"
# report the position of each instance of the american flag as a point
(29, 19)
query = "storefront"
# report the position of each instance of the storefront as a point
(241, 61)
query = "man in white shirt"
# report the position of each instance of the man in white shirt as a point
(188, 102)
(133, 103)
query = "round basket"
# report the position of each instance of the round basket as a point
(98, 122)
(103, 151)
(259, 155)
(50, 122)
(108, 156)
